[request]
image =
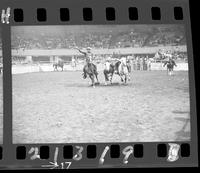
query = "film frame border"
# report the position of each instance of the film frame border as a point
(76, 17)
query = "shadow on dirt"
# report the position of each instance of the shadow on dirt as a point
(181, 112)
(184, 89)
(98, 85)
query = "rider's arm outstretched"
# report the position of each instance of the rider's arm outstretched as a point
(174, 63)
(84, 53)
(164, 63)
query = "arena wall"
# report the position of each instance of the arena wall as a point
(20, 69)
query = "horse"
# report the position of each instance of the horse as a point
(109, 71)
(170, 66)
(123, 70)
(91, 70)
(58, 64)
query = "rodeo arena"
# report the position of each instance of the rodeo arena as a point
(122, 83)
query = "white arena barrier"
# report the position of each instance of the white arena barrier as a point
(180, 66)
(20, 69)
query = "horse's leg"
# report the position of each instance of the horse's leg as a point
(129, 71)
(129, 76)
(170, 72)
(125, 78)
(111, 77)
(96, 76)
(92, 79)
(122, 80)
(84, 73)
(106, 76)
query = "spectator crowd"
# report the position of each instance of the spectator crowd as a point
(109, 39)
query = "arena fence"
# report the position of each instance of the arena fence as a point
(48, 67)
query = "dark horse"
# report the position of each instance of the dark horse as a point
(58, 64)
(170, 66)
(90, 70)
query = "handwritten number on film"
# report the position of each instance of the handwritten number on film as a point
(52, 165)
(78, 155)
(101, 160)
(127, 151)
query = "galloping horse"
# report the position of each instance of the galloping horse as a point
(90, 70)
(124, 69)
(109, 71)
(58, 64)
(121, 68)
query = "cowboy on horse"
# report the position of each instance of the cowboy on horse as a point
(89, 68)
(88, 55)
(170, 64)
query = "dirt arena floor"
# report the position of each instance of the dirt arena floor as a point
(60, 107)
(1, 109)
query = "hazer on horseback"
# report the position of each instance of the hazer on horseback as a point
(124, 69)
(89, 69)
(170, 64)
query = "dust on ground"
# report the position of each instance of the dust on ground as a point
(61, 107)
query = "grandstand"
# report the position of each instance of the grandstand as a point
(66, 37)
(44, 44)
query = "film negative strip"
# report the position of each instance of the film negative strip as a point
(96, 84)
